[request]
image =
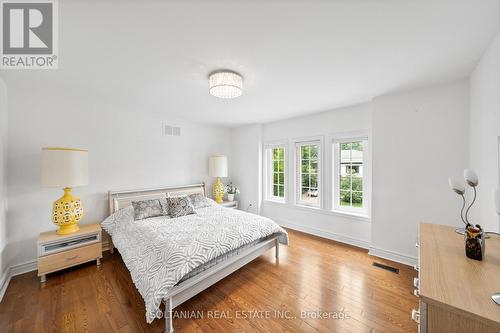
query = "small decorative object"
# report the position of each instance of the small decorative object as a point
(475, 244)
(231, 190)
(471, 179)
(217, 167)
(65, 168)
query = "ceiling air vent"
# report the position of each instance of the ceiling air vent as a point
(171, 130)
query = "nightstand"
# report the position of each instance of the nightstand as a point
(230, 204)
(56, 252)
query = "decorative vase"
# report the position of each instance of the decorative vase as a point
(230, 196)
(67, 211)
(475, 244)
(218, 191)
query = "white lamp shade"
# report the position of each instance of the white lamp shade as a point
(470, 178)
(65, 167)
(217, 166)
(456, 186)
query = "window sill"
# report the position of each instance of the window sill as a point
(353, 214)
(302, 206)
(318, 210)
(277, 202)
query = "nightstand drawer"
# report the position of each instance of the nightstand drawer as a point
(65, 243)
(57, 261)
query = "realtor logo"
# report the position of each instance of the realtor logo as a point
(29, 34)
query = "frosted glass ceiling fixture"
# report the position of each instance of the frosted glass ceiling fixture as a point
(225, 84)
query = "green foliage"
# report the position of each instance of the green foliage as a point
(279, 172)
(309, 180)
(358, 145)
(309, 167)
(351, 185)
(279, 191)
(309, 152)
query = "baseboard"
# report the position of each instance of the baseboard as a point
(22, 268)
(393, 256)
(325, 234)
(373, 251)
(4, 283)
(12, 271)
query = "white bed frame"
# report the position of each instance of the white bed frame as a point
(196, 284)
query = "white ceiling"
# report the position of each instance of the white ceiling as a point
(296, 57)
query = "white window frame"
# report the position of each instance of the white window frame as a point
(336, 207)
(268, 169)
(298, 170)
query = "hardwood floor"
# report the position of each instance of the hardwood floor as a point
(313, 274)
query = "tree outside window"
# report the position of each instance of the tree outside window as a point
(351, 174)
(309, 174)
(278, 174)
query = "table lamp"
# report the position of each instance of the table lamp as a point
(217, 167)
(65, 168)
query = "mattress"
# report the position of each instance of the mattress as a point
(225, 256)
(160, 252)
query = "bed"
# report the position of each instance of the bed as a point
(173, 259)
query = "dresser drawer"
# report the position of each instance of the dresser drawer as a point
(57, 261)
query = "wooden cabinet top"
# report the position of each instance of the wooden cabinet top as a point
(449, 279)
(85, 229)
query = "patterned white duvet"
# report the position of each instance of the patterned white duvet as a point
(160, 251)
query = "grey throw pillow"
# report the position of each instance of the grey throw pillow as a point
(149, 208)
(199, 200)
(180, 206)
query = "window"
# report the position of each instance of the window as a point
(349, 177)
(308, 157)
(276, 183)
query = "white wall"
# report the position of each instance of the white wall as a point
(485, 133)
(320, 222)
(246, 165)
(420, 138)
(126, 150)
(3, 179)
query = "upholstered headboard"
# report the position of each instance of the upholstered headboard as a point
(121, 199)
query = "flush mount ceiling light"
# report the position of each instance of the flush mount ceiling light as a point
(225, 84)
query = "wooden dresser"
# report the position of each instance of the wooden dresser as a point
(455, 291)
(56, 252)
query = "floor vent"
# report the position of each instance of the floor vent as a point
(387, 268)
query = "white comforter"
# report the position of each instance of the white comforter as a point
(159, 251)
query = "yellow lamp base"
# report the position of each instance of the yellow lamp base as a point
(67, 229)
(67, 212)
(218, 191)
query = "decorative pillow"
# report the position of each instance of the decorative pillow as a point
(180, 206)
(199, 201)
(149, 208)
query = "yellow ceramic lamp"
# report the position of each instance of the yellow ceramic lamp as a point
(217, 167)
(65, 168)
